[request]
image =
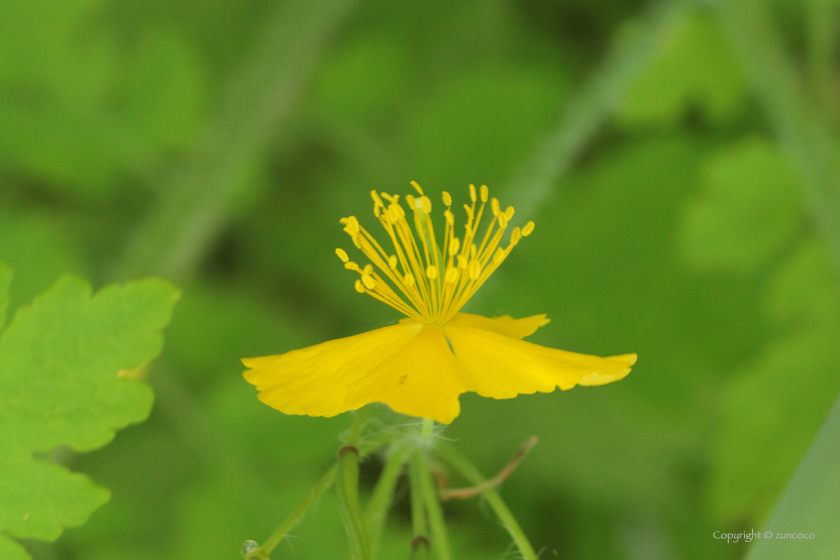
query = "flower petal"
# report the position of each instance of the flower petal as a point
(422, 379)
(623, 363)
(501, 367)
(314, 380)
(506, 325)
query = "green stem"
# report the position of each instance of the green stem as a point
(347, 492)
(357, 426)
(419, 526)
(383, 495)
(420, 470)
(316, 492)
(474, 476)
(427, 430)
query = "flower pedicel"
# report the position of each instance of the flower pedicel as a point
(420, 366)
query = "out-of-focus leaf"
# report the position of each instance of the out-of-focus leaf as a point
(60, 360)
(804, 291)
(78, 108)
(694, 68)
(39, 249)
(5, 282)
(809, 504)
(773, 407)
(749, 204)
(771, 412)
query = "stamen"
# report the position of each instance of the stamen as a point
(435, 280)
(529, 227)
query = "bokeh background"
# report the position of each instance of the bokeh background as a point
(679, 158)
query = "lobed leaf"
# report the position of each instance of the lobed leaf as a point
(62, 383)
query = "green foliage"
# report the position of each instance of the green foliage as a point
(748, 207)
(62, 381)
(809, 504)
(79, 107)
(673, 213)
(5, 282)
(695, 69)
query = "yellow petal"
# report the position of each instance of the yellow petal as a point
(501, 367)
(623, 363)
(422, 379)
(506, 325)
(314, 380)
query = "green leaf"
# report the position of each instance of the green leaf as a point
(809, 504)
(695, 67)
(771, 412)
(804, 290)
(5, 282)
(748, 206)
(62, 382)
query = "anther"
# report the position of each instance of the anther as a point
(450, 217)
(451, 275)
(498, 256)
(462, 262)
(427, 204)
(408, 279)
(447, 200)
(495, 205)
(515, 236)
(454, 246)
(485, 192)
(417, 187)
(359, 286)
(529, 227)
(475, 270)
(342, 254)
(503, 221)
(368, 281)
(509, 212)
(392, 262)
(352, 266)
(431, 272)
(472, 193)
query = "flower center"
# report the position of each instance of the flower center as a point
(429, 282)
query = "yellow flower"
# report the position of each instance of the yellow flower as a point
(420, 366)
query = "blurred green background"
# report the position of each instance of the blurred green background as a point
(680, 161)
